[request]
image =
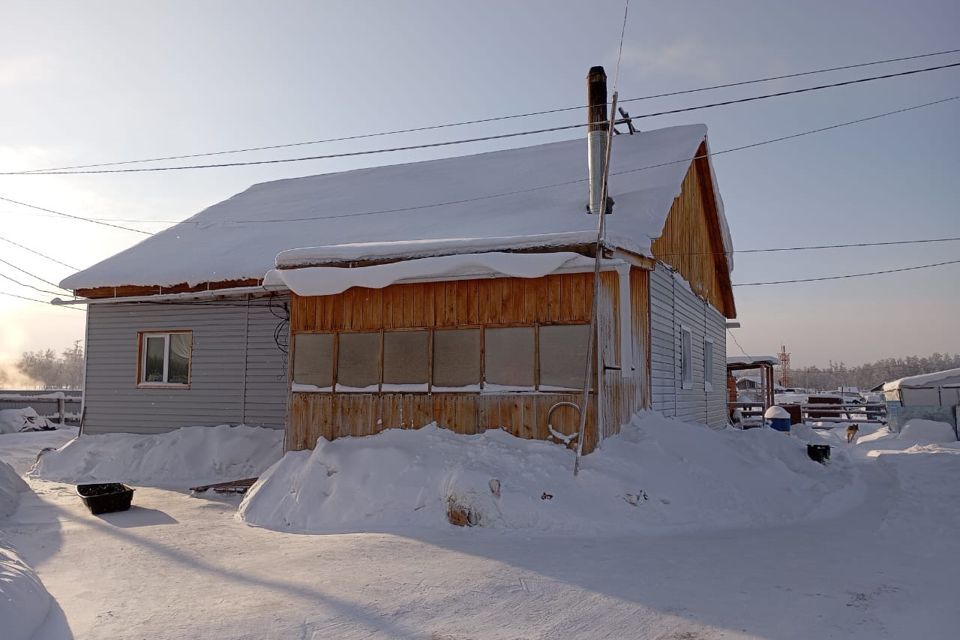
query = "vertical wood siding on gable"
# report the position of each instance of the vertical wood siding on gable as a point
(237, 371)
(691, 242)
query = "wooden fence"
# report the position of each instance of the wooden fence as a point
(61, 407)
(871, 412)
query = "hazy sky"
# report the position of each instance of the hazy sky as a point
(100, 81)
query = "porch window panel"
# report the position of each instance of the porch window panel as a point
(509, 356)
(358, 361)
(456, 358)
(563, 355)
(406, 357)
(313, 359)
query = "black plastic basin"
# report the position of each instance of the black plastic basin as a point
(819, 452)
(105, 498)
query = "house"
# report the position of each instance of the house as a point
(458, 291)
(931, 396)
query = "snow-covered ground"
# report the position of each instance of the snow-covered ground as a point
(883, 565)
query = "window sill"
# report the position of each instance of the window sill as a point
(163, 385)
(686, 386)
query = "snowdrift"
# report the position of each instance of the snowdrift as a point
(24, 601)
(11, 486)
(26, 419)
(658, 474)
(916, 433)
(178, 459)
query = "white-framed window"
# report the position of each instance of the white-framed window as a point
(165, 358)
(707, 364)
(686, 358)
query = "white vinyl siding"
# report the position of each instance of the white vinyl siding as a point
(674, 306)
(238, 372)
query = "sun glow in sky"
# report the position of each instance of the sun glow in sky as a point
(98, 81)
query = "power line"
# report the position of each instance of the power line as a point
(518, 191)
(851, 245)
(739, 346)
(32, 275)
(13, 295)
(68, 215)
(849, 275)
(623, 31)
(29, 286)
(34, 251)
(501, 136)
(583, 180)
(490, 119)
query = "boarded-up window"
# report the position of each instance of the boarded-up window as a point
(456, 358)
(406, 357)
(563, 355)
(509, 356)
(686, 358)
(313, 359)
(358, 361)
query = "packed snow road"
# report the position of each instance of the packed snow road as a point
(182, 567)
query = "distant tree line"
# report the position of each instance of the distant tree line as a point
(867, 376)
(54, 371)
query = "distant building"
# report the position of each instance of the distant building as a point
(932, 396)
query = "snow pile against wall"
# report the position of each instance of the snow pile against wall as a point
(26, 419)
(11, 486)
(658, 474)
(177, 459)
(24, 601)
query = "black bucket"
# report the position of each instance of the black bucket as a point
(105, 498)
(819, 452)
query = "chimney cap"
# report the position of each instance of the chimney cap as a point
(598, 70)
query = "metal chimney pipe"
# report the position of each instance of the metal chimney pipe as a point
(596, 134)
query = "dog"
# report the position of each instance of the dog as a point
(852, 433)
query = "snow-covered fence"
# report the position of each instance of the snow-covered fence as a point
(871, 412)
(62, 407)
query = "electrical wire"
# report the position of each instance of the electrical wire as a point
(583, 180)
(623, 30)
(32, 275)
(73, 217)
(34, 251)
(14, 295)
(491, 119)
(488, 138)
(509, 193)
(29, 286)
(739, 346)
(845, 276)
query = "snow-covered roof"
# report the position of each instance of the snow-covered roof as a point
(534, 195)
(947, 378)
(752, 360)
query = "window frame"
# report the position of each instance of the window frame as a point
(708, 346)
(686, 358)
(142, 338)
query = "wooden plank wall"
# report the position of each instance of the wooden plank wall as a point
(555, 299)
(559, 298)
(691, 241)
